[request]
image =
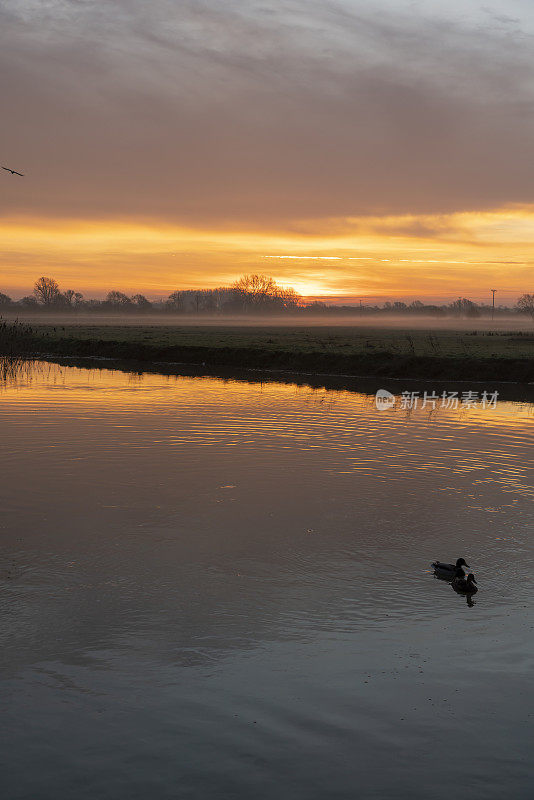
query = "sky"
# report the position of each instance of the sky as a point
(353, 150)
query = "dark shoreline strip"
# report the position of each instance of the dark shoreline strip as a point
(317, 368)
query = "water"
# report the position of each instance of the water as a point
(219, 589)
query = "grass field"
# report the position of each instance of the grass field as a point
(401, 352)
(343, 340)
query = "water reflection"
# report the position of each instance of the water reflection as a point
(218, 581)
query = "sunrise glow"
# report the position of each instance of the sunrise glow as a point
(406, 256)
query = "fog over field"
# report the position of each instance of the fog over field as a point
(514, 322)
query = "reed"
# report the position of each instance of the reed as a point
(10, 368)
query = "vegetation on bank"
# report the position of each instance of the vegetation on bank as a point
(250, 294)
(373, 351)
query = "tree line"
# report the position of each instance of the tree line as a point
(250, 294)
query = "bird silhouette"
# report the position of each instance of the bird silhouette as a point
(13, 171)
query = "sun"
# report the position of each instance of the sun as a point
(306, 288)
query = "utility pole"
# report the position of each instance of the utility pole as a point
(493, 302)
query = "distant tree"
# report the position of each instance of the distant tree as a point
(471, 309)
(209, 300)
(464, 307)
(175, 301)
(72, 298)
(525, 304)
(195, 301)
(230, 300)
(5, 300)
(224, 298)
(262, 293)
(141, 303)
(28, 302)
(289, 299)
(118, 301)
(395, 308)
(255, 290)
(437, 311)
(92, 305)
(46, 290)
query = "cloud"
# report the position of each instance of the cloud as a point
(262, 113)
(94, 257)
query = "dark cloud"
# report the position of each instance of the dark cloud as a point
(257, 112)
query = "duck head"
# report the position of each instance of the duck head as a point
(461, 562)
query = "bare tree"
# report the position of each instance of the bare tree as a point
(29, 302)
(118, 300)
(255, 289)
(72, 298)
(525, 304)
(464, 307)
(141, 303)
(46, 290)
(175, 301)
(289, 299)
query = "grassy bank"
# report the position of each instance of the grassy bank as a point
(392, 352)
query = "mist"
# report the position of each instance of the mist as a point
(513, 322)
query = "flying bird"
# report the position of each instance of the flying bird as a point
(13, 171)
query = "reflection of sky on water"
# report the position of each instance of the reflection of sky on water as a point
(487, 444)
(185, 549)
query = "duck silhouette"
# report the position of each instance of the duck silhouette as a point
(465, 585)
(448, 572)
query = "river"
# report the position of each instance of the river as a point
(221, 589)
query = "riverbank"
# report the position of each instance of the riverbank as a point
(374, 352)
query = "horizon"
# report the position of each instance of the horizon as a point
(368, 301)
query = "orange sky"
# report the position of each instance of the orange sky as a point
(351, 150)
(381, 257)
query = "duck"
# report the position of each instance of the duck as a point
(465, 585)
(450, 571)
